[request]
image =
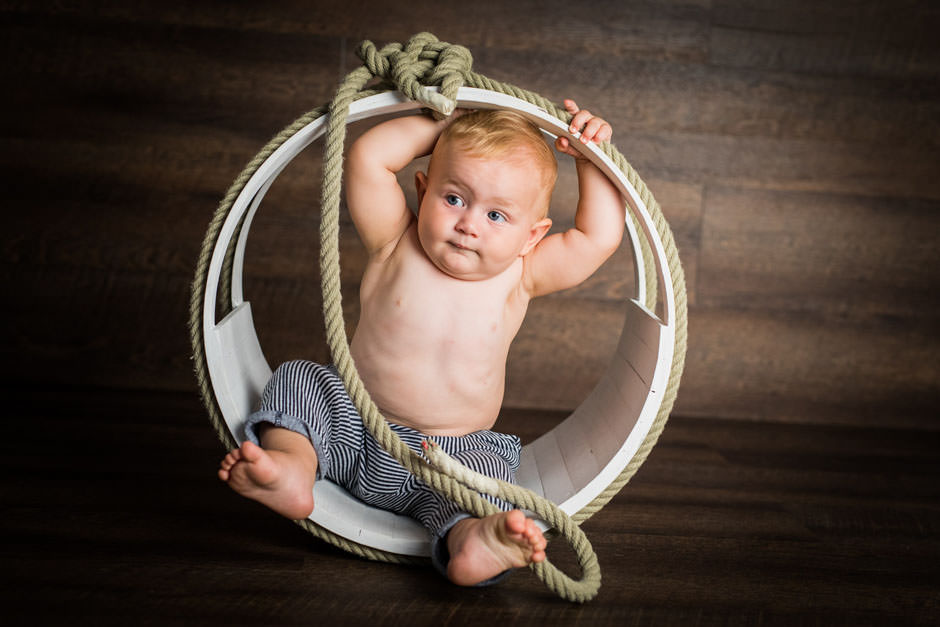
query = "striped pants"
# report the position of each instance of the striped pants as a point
(310, 399)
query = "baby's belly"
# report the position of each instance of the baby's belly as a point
(436, 398)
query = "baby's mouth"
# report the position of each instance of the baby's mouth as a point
(460, 246)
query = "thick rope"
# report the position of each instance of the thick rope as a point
(415, 55)
(425, 61)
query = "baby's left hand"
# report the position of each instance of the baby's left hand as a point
(592, 128)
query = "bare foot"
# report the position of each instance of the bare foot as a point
(481, 548)
(278, 479)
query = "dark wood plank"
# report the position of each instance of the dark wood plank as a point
(868, 38)
(794, 148)
(802, 367)
(112, 514)
(844, 256)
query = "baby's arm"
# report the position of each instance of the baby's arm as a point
(566, 259)
(375, 199)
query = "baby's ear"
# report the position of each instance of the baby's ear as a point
(421, 185)
(536, 233)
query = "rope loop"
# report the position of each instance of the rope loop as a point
(424, 61)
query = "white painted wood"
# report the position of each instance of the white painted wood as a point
(553, 471)
(241, 369)
(335, 509)
(577, 448)
(528, 473)
(238, 262)
(639, 343)
(571, 464)
(629, 406)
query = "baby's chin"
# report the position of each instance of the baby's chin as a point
(463, 271)
(463, 275)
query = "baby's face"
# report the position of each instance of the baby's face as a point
(478, 215)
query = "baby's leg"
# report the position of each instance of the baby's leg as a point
(481, 548)
(280, 473)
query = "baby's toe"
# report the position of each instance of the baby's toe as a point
(516, 522)
(535, 536)
(540, 543)
(251, 452)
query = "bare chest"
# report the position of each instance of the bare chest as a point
(432, 349)
(422, 307)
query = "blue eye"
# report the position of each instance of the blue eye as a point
(495, 216)
(453, 200)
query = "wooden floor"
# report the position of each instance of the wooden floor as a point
(795, 149)
(111, 514)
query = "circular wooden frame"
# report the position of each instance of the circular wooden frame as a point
(571, 464)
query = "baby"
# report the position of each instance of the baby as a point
(442, 296)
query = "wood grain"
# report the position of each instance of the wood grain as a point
(794, 149)
(112, 514)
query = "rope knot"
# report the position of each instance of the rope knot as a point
(424, 61)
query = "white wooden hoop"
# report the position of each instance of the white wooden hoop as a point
(571, 464)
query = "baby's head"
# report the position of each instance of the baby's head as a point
(484, 200)
(505, 136)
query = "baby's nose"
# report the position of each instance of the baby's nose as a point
(466, 225)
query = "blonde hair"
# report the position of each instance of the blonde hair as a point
(499, 133)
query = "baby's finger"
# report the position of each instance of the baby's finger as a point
(580, 118)
(596, 130)
(570, 105)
